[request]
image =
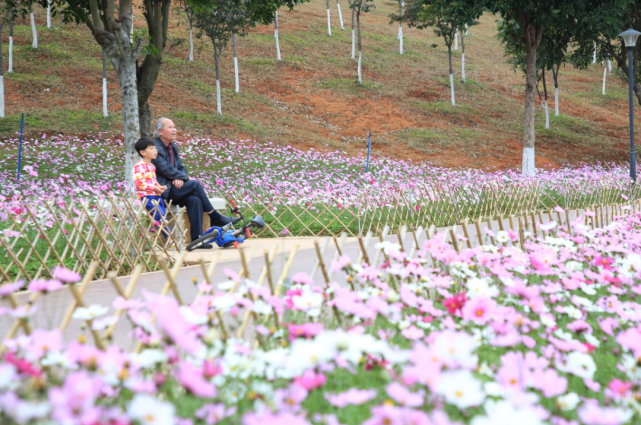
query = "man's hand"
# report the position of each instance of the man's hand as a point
(177, 183)
(159, 189)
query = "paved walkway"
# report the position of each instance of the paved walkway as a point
(52, 307)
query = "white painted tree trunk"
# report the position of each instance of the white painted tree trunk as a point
(353, 44)
(556, 102)
(130, 117)
(547, 115)
(276, 35)
(594, 55)
(466, 29)
(105, 110)
(340, 15)
(609, 66)
(400, 38)
(463, 67)
(236, 74)
(452, 89)
(48, 14)
(34, 32)
(191, 47)
(528, 162)
(605, 70)
(360, 57)
(10, 55)
(218, 102)
(329, 24)
(456, 40)
(1, 96)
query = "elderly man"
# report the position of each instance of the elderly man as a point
(182, 190)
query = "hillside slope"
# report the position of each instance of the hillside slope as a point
(311, 99)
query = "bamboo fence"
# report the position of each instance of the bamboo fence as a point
(120, 233)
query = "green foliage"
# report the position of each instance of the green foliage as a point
(444, 16)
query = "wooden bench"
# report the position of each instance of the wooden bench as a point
(219, 205)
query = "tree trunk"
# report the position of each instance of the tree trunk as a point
(131, 36)
(463, 56)
(449, 55)
(48, 14)
(34, 32)
(605, 71)
(456, 40)
(547, 111)
(609, 66)
(555, 75)
(594, 54)
(530, 88)
(105, 111)
(10, 68)
(276, 35)
(1, 82)
(217, 51)
(236, 66)
(191, 44)
(329, 25)
(340, 15)
(353, 36)
(126, 69)
(360, 52)
(400, 25)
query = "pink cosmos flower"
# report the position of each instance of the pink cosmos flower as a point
(45, 285)
(192, 379)
(543, 259)
(10, 288)
(455, 303)
(306, 330)
(351, 396)
(479, 310)
(310, 380)
(214, 413)
(617, 389)
(403, 396)
(266, 417)
(302, 278)
(604, 262)
(386, 415)
(74, 402)
(289, 399)
(65, 275)
(43, 342)
(413, 333)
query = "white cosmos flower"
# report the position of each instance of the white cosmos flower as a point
(579, 364)
(547, 226)
(588, 289)
(89, 313)
(148, 410)
(591, 339)
(502, 236)
(192, 317)
(461, 389)
(388, 247)
(574, 265)
(224, 302)
(455, 349)
(477, 287)
(568, 401)
(501, 412)
(8, 373)
(148, 358)
(308, 301)
(103, 323)
(261, 307)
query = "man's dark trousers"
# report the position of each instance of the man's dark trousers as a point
(193, 197)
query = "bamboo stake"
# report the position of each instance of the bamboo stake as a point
(81, 290)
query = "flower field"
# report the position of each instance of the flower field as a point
(491, 335)
(69, 168)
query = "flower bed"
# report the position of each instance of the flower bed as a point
(488, 336)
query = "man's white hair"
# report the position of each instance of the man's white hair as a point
(159, 126)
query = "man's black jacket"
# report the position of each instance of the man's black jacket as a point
(165, 172)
